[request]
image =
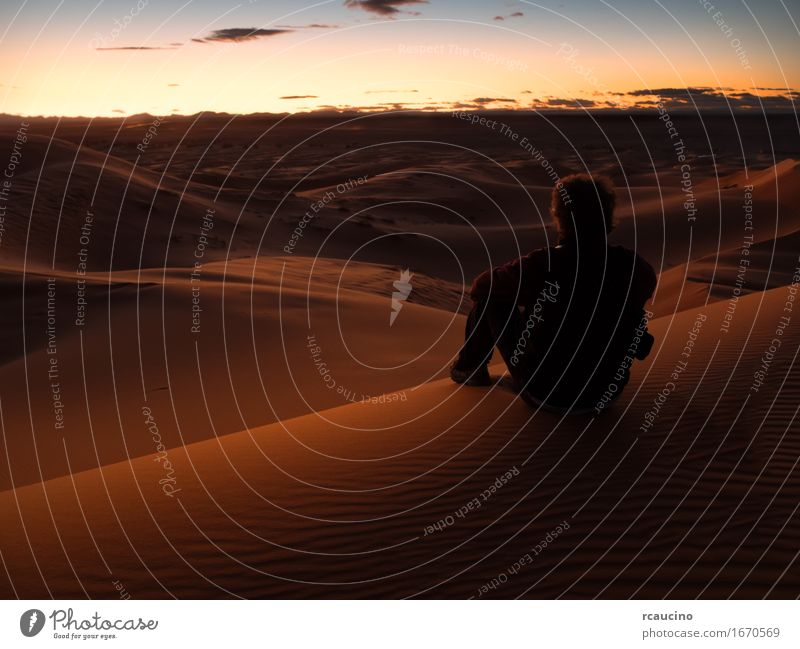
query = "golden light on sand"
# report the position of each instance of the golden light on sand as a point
(399, 299)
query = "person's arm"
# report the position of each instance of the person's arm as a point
(503, 283)
(645, 280)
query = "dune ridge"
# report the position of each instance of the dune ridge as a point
(271, 512)
(272, 418)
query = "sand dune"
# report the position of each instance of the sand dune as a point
(299, 442)
(467, 204)
(338, 503)
(250, 359)
(728, 274)
(761, 258)
(120, 214)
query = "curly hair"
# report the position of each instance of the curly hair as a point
(580, 204)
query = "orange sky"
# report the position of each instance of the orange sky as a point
(61, 60)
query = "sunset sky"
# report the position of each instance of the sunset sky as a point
(119, 57)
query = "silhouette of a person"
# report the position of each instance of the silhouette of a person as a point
(568, 320)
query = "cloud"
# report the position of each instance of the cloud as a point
(671, 92)
(347, 108)
(462, 104)
(558, 102)
(516, 14)
(299, 97)
(311, 26)
(118, 110)
(748, 100)
(381, 7)
(239, 34)
(492, 100)
(173, 85)
(134, 47)
(705, 98)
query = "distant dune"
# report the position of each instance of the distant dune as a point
(204, 393)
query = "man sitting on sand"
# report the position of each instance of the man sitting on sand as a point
(568, 320)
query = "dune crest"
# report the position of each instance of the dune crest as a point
(316, 505)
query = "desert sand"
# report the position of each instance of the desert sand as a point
(194, 404)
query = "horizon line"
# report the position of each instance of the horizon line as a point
(683, 110)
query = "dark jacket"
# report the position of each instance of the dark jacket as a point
(580, 316)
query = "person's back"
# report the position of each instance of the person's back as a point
(568, 320)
